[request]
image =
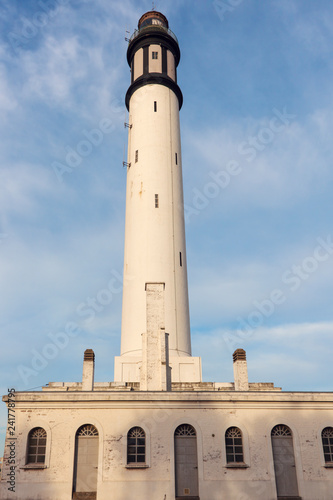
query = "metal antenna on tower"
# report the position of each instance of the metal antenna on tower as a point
(153, 6)
(127, 33)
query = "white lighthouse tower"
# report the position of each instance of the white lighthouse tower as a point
(155, 294)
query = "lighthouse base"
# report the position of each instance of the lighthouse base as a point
(183, 369)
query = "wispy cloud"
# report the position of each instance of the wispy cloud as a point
(274, 354)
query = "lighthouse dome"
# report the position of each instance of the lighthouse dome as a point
(153, 18)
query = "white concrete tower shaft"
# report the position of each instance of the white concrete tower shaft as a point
(155, 250)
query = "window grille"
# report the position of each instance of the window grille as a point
(281, 431)
(327, 439)
(185, 430)
(36, 446)
(136, 446)
(156, 201)
(234, 445)
(87, 430)
(155, 55)
(136, 156)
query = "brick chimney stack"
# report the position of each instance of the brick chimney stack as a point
(240, 370)
(88, 370)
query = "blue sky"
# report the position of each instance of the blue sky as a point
(257, 159)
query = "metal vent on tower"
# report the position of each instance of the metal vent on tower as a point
(239, 355)
(89, 355)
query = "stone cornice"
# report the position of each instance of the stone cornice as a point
(130, 399)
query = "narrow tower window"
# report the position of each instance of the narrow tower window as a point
(156, 200)
(155, 55)
(132, 70)
(164, 61)
(136, 156)
(176, 154)
(155, 106)
(145, 59)
(180, 259)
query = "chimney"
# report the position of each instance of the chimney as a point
(88, 370)
(240, 370)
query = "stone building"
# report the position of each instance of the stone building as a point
(158, 431)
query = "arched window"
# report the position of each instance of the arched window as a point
(234, 446)
(185, 430)
(86, 460)
(281, 431)
(327, 439)
(284, 461)
(186, 462)
(36, 446)
(87, 430)
(136, 446)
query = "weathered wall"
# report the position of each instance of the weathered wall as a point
(113, 414)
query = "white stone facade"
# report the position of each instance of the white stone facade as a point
(210, 412)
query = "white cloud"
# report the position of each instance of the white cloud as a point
(224, 289)
(315, 33)
(275, 169)
(21, 185)
(53, 71)
(274, 354)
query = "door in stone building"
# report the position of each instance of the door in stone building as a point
(85, 463)
(284, 462)
(186, 463)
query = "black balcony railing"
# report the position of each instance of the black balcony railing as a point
(152, 27)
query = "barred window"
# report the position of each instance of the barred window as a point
(36, 446)
(327, 439)
(185, 430)
(234, 445)
(281, 431)
(155, 55)
(136, 446)
(87, 430)
(156, 201)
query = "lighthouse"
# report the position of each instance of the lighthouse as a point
(155, 292)
(158, 431)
